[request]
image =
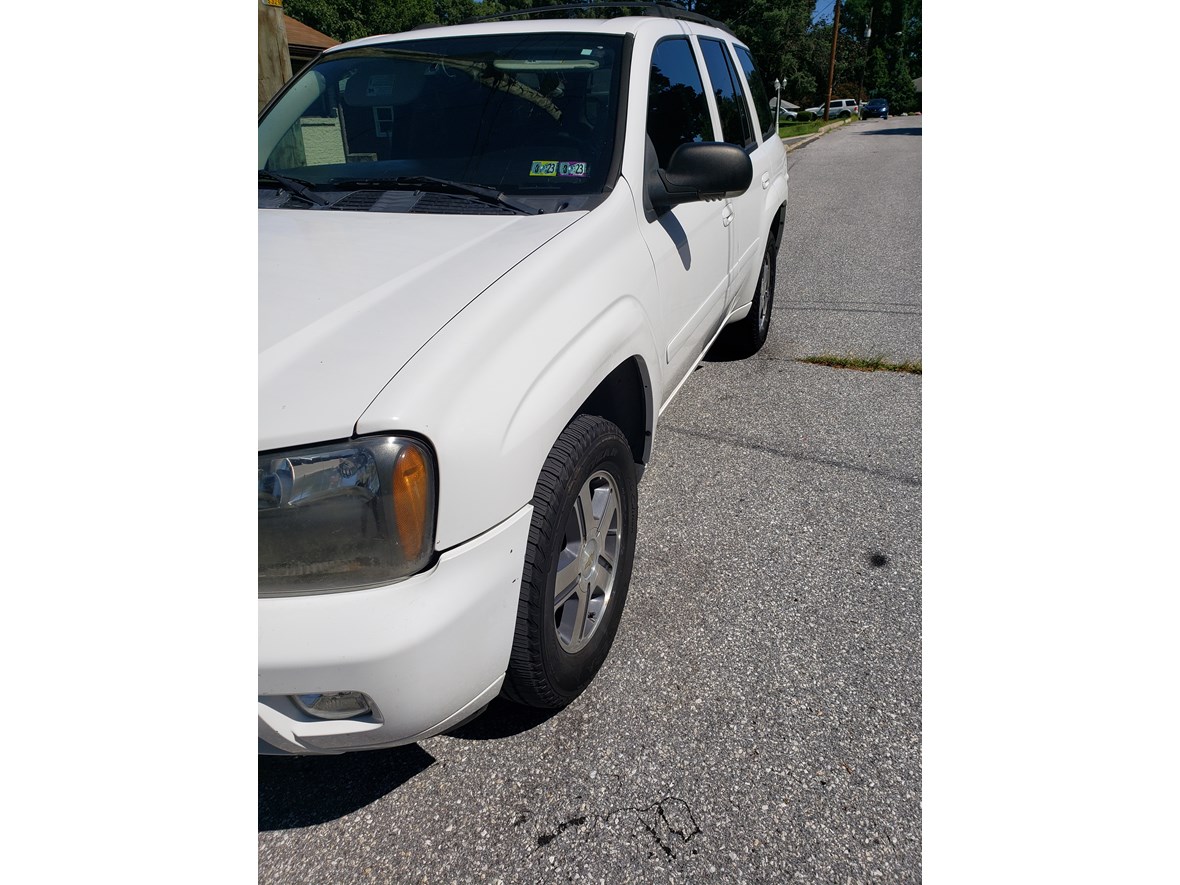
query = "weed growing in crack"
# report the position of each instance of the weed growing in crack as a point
(861, 364)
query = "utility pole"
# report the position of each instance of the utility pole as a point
(860, 89)
(832, 65)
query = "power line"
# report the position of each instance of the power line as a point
(817, 15)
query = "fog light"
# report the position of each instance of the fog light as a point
(333, 704)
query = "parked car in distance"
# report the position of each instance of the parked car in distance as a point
(840, 107)
(875, 107)
(784, 114)
(476, 300)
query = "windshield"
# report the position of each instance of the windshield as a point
(526, 114)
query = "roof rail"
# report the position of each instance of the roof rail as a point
(660, 10)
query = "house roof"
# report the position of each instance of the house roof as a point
(300, 36)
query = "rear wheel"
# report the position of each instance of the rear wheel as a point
(577, 564)
(746, 337)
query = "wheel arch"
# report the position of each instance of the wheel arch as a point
(625, 398)
(777, 223)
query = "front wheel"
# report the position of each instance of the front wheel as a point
(577, 564)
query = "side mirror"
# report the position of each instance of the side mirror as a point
(701, 171)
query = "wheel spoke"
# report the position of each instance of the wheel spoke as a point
(566, 584)
(599, 581)
(606, 560)
(579, 622)
(585, 510)
(604, 521)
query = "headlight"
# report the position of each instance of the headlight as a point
(344, 517)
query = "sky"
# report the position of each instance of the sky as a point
(823, 10)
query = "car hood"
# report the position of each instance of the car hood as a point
(345, 299)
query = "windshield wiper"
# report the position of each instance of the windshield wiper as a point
(442, 186)
(293, 185)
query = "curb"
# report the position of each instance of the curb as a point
(809, 139)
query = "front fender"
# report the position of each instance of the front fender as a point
(494, 388)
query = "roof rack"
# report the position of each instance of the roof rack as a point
(659, 10)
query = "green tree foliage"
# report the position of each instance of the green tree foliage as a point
(875, 36)
(784, 42)
(901, 94)
(777, 32)
(351, 19)
(876, 80)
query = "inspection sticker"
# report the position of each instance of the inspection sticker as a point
(577, 169)
(547, 168)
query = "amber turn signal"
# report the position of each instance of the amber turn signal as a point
(411, 500)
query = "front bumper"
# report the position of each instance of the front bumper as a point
(428, 651)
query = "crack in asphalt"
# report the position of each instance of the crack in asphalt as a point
(805, 302)
(653, 828)
(740, 442)
(545, 838)
(791, 307)
(660, 828)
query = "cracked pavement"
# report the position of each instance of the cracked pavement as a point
(759, 717)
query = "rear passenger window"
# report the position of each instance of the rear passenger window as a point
(676, 108)
(757, 92)
(736, 127)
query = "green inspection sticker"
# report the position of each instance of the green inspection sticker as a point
(547, 168)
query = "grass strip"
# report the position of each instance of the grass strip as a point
(790, 128)
(860, 364)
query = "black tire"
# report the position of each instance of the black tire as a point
(563, 633)
(746, 337)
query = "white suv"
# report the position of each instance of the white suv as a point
(489, 255)
(840, 107)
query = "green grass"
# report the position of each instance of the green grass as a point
(790, 129)
(875, 364)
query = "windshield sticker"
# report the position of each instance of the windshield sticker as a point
(547, 168)
(577, 169)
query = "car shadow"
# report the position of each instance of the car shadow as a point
(909, 130)
(501, 719)
(302, 791)
(721, 352)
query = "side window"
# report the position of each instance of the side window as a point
(757, 92)
(736, 127)
(676, 108)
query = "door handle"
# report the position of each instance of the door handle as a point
(726, 216)
(765, 180)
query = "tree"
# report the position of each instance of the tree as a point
(903, 98)
(777, 33)
(896, 33)
(351, 19)
(780, 35)
(877, 74)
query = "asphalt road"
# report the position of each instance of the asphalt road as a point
(759, 718)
